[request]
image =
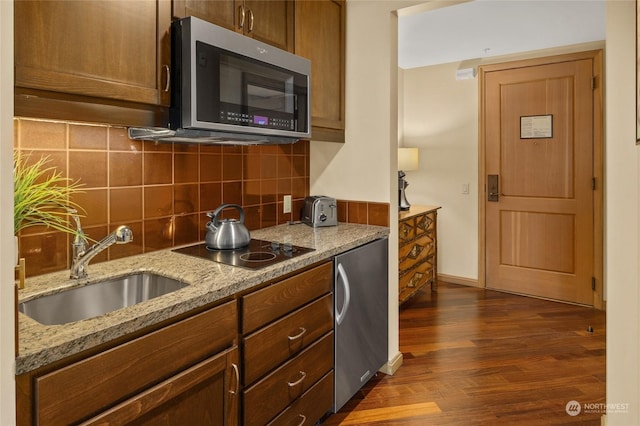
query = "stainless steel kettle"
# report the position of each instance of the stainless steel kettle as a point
(226, 234)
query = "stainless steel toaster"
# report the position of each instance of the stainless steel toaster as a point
(319, 210)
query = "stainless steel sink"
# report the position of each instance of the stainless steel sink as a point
(97, 299)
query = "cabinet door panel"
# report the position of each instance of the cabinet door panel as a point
(198, 395)
(320, 37)
(106, 49)
(86, 387)
(270, 22)
(220, 12)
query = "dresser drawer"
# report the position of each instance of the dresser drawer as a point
(406, 230)
(415, 252)
(425, 223)
(270, 303)
(92, 384)
(270, 346)
(275, 392)
(314, 404)
(412, 280)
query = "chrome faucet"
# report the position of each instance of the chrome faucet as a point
(83, 255)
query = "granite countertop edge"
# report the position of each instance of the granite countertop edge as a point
(40, 345)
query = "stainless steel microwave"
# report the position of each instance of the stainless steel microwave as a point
(229, 88)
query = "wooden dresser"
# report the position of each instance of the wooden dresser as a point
(418, 251)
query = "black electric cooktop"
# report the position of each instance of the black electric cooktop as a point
(258, 254)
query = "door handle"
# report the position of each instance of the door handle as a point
(493, 188)
(347, 295)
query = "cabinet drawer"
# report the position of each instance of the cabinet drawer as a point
(311, 407)
(270, 303)
(283, 339)
(92, 384)
(274, 393)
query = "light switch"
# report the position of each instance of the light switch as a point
(464, 188)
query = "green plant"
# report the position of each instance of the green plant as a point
(41, 196)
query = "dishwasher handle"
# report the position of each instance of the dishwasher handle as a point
(347, 294)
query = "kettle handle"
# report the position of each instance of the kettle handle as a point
(214, 214)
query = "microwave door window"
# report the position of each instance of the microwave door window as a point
(207, 78)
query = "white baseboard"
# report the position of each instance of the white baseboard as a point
(392, 365)
(470, 282)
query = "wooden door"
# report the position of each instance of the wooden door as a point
(539, 146)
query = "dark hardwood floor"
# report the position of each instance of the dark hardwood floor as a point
(480, 357)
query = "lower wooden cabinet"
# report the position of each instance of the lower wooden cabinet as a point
(417, 251)
(193, 372)
(312, 405)
(149, 376)
(269, 396)
(205, 394)
(290, 355)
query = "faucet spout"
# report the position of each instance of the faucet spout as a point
(82, 257)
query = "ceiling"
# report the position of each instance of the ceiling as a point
(484, 28)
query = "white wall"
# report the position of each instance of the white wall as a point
(441, 119)
(622, 216)
(7, 382)
(364, 168)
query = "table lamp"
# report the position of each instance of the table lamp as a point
(407, 160)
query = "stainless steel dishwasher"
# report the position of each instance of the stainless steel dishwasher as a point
(361, 317)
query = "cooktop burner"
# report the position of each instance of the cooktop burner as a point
(258, 254)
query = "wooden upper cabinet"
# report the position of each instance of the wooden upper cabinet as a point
(320, 37)
(270, 21)
(104, 49)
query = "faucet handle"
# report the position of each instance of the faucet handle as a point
(123, 234)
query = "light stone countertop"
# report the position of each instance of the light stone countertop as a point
(208, 281)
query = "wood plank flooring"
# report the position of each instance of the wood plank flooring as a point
(480, 357)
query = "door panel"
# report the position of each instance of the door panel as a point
(539, 229)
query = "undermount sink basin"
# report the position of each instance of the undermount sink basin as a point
(97, 299)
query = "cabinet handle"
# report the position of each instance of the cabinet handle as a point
(304, 419)
(167, 84)
(237, 376)
(250, 20)
(299, 335)
(241, 16)
(297, 382)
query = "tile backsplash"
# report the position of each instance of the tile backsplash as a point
(162, 190)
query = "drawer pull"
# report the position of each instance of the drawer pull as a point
(304, 419)
(297, 382)
(299, 335)
(237, 377)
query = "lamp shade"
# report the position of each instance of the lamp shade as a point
(407, 158)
